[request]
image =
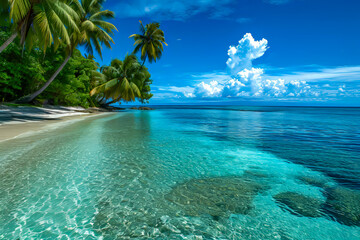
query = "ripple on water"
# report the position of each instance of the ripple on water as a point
(137, 175)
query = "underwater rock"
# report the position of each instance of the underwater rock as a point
(218, 196)
(317, 182)
(344, 205)
(145, 108)
(300, 204)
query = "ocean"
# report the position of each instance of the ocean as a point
(187, 172)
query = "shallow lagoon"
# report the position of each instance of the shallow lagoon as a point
(187, 173)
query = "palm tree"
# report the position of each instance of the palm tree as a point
(92, 58)
(94, 31)
(150, 41)
(145, 90)
(120, 81)
(45, 20)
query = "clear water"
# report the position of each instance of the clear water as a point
(131, 175)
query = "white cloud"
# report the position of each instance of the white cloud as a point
(189, 95)
(172, 9)
(218, 76)
(337, 74)
(244, 84)
(250, 83)
(175, 89)
(341, 88)
(233, 88)
(247, 81)
(204, 90)
(167, 96)
(242, 55)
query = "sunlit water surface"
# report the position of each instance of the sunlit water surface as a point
(187, 173)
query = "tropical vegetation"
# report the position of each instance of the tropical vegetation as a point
(122, 80)
(22, 73)
(149, 42)
(40, 62)
(46, 21)
(93, 29)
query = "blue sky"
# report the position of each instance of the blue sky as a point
(301, 52)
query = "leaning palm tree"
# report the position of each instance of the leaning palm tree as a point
(150, 41)
(94, 31)
(48, 21)
(120, 81)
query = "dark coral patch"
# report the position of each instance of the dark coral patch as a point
(218, 196)
(344, 205)
(299, 204)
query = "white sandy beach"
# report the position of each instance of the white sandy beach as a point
(16, 121)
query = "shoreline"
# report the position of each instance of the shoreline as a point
(23, 121)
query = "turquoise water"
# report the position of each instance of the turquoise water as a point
(187, 173)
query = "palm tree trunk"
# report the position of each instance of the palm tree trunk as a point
(101, 100)
(31, 97)
(7, 42)
(107, 104)
(113, 101)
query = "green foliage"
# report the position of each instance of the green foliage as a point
(4, 12)
(18, 105)
(94, 28)
(22, 73)
(92, 31)
(72, 86)
(122, 80)
(146, 91)
(17, 72)
(45, 21)
(149, 42)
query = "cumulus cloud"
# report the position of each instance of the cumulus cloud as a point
(245, 83)
(243, 80)
(242, 55)
(210, 90)
(172, 9)
(248, 81)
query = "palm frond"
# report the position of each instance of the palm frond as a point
(150, 42)
(130, 78)
(19, 9)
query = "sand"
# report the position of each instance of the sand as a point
(18, 121)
